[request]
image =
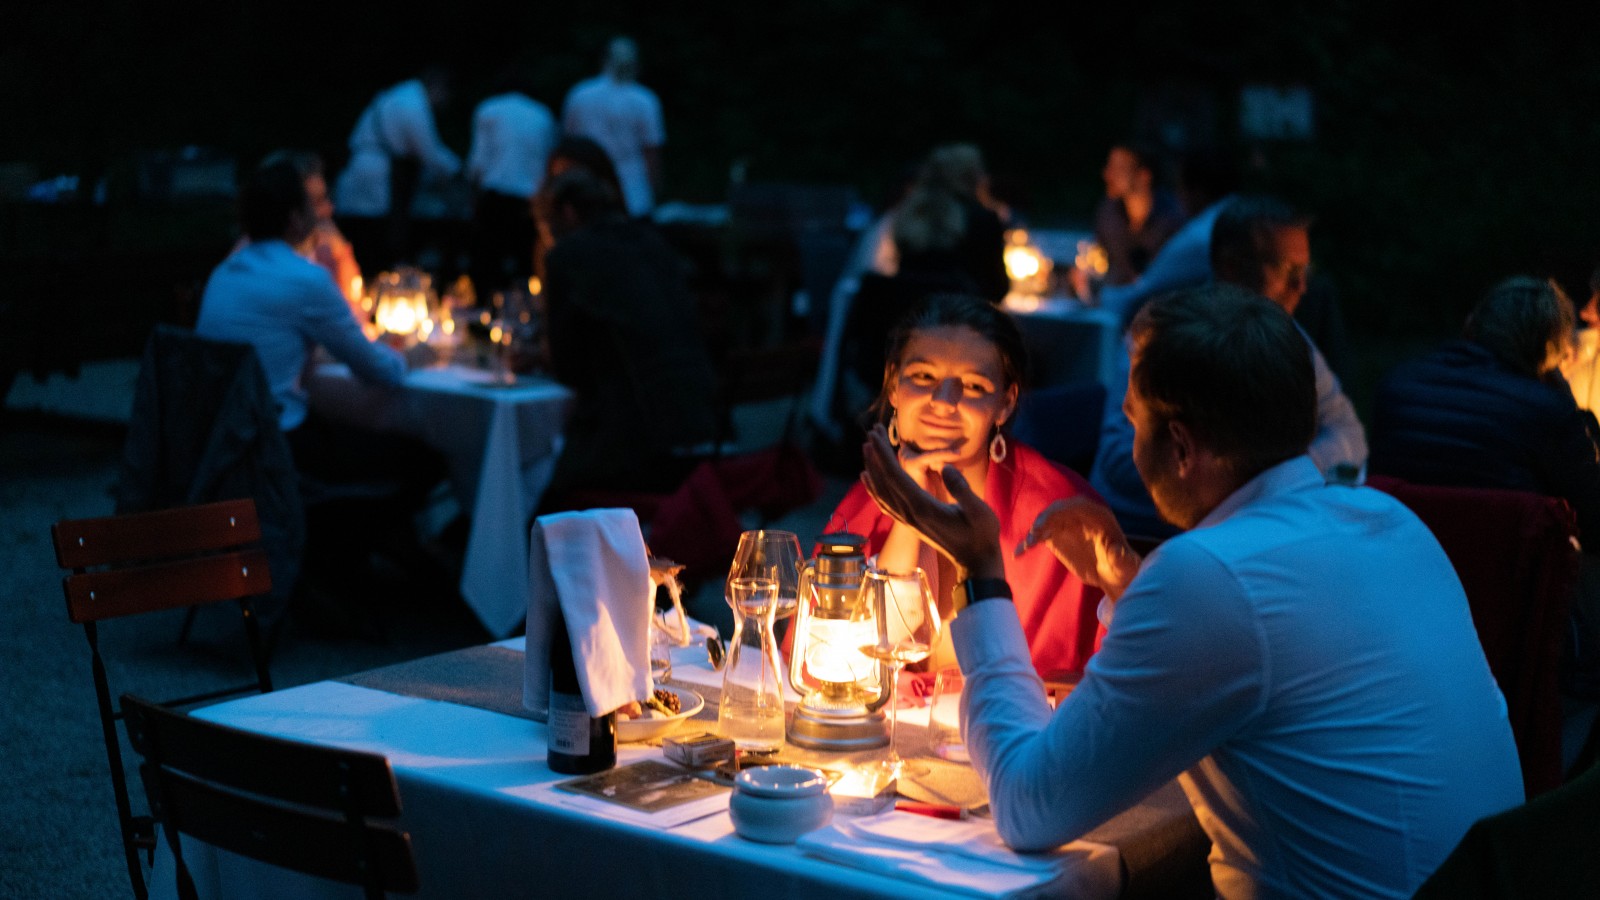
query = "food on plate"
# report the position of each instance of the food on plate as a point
(662, 703)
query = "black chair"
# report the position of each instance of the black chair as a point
(286, 803)
(145, 562)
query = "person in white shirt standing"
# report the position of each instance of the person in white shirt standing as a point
(512, 136)
(394, 147)
(624, 117)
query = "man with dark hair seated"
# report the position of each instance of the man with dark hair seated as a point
(1302, 657)
(285, 306)
(624, 334)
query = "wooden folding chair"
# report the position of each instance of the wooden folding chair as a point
(144, 562)
(285, 803)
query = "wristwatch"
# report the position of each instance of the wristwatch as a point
(973, 590)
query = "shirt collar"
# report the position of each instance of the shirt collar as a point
(1289, 476)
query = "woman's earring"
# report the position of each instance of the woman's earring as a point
(894, 429)
(997, 448)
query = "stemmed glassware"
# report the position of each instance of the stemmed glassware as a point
(908, 628)
(772, 555)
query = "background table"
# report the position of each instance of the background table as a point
(501, 443)
(477, 802)
(1067, 342)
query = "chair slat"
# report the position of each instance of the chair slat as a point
(304, 841)
(298, 772)
(161, 534)
(94, 596)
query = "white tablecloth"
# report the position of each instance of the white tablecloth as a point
(501, 443)
(1068, 343)
(477, 803)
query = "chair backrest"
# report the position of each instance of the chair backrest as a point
(1062, 422)
(144, 562)
(290, 804)
(204, 427)
(1516, 554)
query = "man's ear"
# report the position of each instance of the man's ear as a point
(1183, 446)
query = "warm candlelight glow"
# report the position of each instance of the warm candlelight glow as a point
(534, 285)
(1027, 266)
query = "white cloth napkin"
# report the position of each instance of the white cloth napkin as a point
(965, 856)
(593, 564)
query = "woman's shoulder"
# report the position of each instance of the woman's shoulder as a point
(1036, 472)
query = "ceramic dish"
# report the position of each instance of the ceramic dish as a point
(653, 725)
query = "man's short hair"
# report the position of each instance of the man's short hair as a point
(1521, 321)
(1233, 368)
(272, 194)
(1242, 245)
(588, 195)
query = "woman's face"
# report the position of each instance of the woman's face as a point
(949, 392)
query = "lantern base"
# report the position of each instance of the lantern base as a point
(838, 730)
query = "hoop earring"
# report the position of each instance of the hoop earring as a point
(997, 448)
(894, 429)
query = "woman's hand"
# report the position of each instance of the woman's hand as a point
(924, 467)
(1085, 536)
(966, 530)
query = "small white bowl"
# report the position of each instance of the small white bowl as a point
(654, 725)
(777, 804)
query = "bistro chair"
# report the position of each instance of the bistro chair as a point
(1516, 554)
(286, 803)
(144, 562)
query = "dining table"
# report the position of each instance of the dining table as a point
(1068, 341)
(500, 436)
(487, 818)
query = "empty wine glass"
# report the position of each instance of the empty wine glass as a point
(908, 627)
(771, 555)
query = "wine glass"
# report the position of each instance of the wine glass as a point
(771, 555)
(908, 625)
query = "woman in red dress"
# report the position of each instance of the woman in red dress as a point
(950, 385)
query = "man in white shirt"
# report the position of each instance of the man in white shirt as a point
(1302, 657)
(512, 136)
(394, 146)
(624, 117)
(1261, 244)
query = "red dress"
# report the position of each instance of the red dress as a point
(1058, 611)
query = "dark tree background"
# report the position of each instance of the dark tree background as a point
(1450, 149)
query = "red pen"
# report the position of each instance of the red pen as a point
(935, 810)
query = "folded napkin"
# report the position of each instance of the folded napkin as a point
(593, 564)
(966, 856)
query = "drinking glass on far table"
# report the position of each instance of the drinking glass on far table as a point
(770, 555)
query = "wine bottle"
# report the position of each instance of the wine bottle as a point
(579, 743)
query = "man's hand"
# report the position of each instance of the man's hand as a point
(967, 530)
(1085, 536)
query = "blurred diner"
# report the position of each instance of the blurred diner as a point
(624, 334)
(1263, 245)
(1137, 215)
(1491, 410)
(287, 307)
(1321, 759)
(951, 379)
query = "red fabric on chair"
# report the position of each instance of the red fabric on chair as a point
(699, 526)
(1517, 557)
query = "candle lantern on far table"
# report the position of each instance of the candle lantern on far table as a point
(402, 306)
(1026, 264)
(843, 690)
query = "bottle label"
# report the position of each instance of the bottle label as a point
(569, 725)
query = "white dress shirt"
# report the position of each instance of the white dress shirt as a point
(398, 122)
(623, 117)
(269, 296)
(512, 136)
(1305, 658)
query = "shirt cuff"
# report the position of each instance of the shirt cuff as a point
(986, 632)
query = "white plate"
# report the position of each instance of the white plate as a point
(653, 724)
